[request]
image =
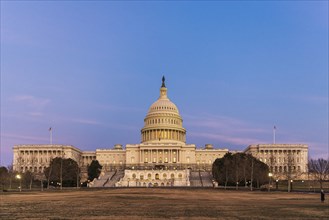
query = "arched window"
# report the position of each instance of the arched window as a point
(172, 176)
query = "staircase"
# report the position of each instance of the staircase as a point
(195, 180)
(117, 175)
(102, 180)
(206, 179)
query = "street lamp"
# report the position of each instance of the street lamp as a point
(291, 181)
(61, 170)
(269, 181)
(18, 176)
(277, 184)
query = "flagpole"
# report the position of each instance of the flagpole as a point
(51, 135)
(274, 129)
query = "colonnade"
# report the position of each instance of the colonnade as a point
(35, 160)
(160, 156)
(158, 134)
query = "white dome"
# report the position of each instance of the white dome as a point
(163, 122)
(163, 106)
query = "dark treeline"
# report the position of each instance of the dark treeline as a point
(63, 170)
(94, 170)
(240, 169)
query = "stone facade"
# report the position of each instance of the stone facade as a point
(283, 159)
(151, 178)
(36, 158)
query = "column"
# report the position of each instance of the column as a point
(148, 155)
(170, 156)
(157, 156)
(140, 156)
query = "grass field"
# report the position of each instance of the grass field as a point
(161, 203)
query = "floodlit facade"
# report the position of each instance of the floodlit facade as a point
(163, 158)
(283, 159)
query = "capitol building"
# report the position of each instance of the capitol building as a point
(163, 158)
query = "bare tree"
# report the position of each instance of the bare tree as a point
(11, 175)
(227, 171)
(19, 163)
(78, 170)
(252, 171)
(319, 169)
(33, 163)
(48, 174)
(290, 171)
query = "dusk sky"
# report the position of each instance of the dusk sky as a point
(90, 70)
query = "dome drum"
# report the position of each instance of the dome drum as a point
(163, 134)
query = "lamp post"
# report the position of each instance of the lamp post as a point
(269, 181)
(277, 184)
(18, 176)
(291, 181)
(61, 170)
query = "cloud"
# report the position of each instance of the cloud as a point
(19, 138)
(94, 122)
(244, 141)
(226, 130)
(36, 114)
(85, 121)
(314, 99)
(31, 100)
(225, 124)
(116, 108)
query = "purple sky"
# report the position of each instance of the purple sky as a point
(235, 69)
